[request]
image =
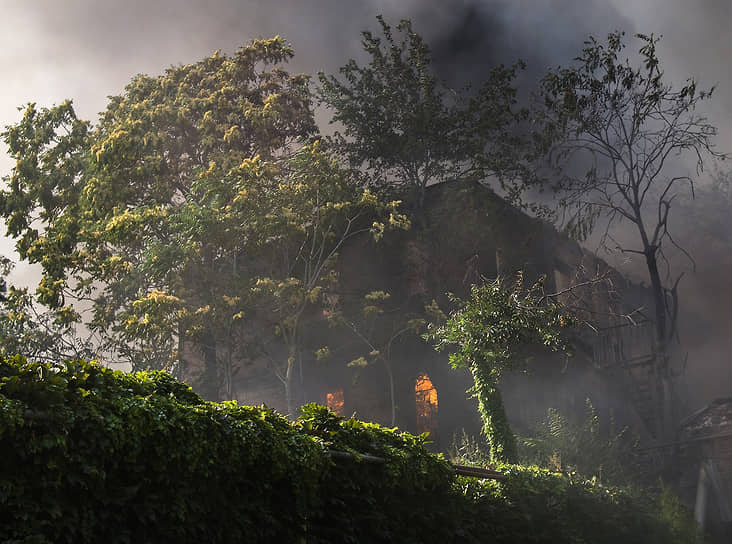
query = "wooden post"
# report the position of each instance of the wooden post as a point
(700, 506)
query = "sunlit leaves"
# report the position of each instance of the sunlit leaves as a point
(29, 328)
(194, 205)
(498, 322)
(161, 196)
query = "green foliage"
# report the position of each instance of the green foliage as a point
(407, 129)
(468, 450)
(370, 502)
(138, 214)
(678, 519)
(534, 505)
(196, 218)
(561, 444)
(93, 455)
(28, 327)
(491, 332)
(308, 218)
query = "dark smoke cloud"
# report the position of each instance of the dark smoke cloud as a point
(484, 34)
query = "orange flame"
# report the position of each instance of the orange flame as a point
(426, 397)
(335, 402)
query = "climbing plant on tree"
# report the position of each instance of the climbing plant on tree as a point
(495, 330)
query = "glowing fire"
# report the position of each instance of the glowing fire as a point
(426, 397)
(334, 401)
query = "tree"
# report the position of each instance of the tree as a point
(629, 130)
(493, 331)
(167, 216)
(314, 212)
(35, 331)
(408, 130)
(130, 215)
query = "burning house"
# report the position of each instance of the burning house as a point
(382, 370)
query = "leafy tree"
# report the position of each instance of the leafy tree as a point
(492, 332)
(629, 128)
(165, 215)
(29, 328)
(407, 129)
(314, 212)
(131, 214)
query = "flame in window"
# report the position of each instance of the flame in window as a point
(426, 397)
(334, 401)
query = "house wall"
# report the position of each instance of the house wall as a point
(707, 436)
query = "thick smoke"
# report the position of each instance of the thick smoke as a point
(98, 46)
(86, 50)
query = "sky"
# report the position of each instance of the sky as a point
(87, 50)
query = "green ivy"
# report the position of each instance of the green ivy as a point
(492, 332)
(94, 455)
(90, 454)
(534, 505)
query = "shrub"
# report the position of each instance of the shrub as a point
(92, 455)
(559, 443)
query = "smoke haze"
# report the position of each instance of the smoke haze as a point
(87, 50)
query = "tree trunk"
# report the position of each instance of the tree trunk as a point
(497, 431)
(658, 300)
(209, 381)
(389, 371)
(664, 390)
(289, 379)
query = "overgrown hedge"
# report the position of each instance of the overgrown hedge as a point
(93, 455)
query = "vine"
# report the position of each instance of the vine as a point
(493, 331)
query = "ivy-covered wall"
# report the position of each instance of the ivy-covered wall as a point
(92, 455)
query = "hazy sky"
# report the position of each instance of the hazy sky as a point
(85, 50)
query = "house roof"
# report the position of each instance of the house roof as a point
(714, 418)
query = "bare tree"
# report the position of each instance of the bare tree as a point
(615, 136)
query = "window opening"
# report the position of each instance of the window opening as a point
(426, 399)
(335, 402)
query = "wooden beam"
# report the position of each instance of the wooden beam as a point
(462, 470)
